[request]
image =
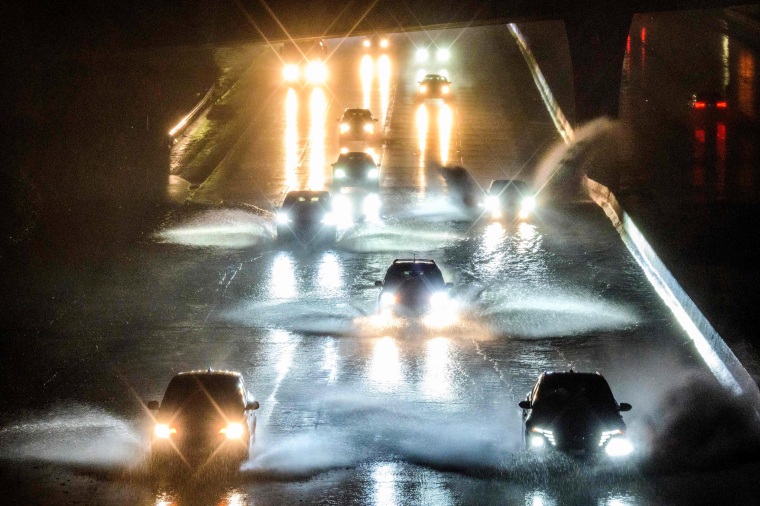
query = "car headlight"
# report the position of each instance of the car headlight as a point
(316, 72)
(439, 299)
(423, 88)
(369, 128)
(422, 54)
(233, 430)
(340, 174)
(344, 127)
(163, 431)
(445, 89)
(384, 43)
(329, 219)
(443, 54)
(290, 73)
(528, 204)
(366, 43)
(282, 218)
(373, 174)
(537, 432)
(619, 447)
(492, 203)
(536, 441)
(387, 299)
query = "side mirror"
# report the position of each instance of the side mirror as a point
(624, 406)
(252, 406)
(524, 404)
(153, 405)
(449, 285)
(378, 283)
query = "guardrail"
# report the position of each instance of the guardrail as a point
(718, 357)
(192, 115)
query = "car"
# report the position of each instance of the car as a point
(357, 125)
(204, 417)
(414, 287)
(307, 216)
(708, 102)
(575, 413)
(356, 169)
(434, 86)
(304, 62)
(510, 198)
(437, 53)
(375, 42)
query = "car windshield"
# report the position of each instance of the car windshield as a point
(355, 159)
(434, 78)
(509, 188)
(305, 201)
(561, 391)
(357, 115)
(401, 271)
(203, 395)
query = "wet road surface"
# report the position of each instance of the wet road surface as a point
(354, 409)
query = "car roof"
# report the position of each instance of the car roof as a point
(500, 184)
(414, 261)
(357, 111)
(209, 372)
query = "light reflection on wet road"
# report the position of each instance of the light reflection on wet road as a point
(358, 411)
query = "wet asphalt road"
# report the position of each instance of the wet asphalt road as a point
(354, 410)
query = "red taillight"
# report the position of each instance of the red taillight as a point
(721, 105)
(699, 105)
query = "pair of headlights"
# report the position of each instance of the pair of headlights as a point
(445, 89)
(283, 218)
(371, 174)
(316, 72)
(442, 54)
(614, 442)
(231, 431)
(438, 299)
(527, 206)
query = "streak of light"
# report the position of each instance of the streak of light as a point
(384, 76)
(281, 350)
(436, 381)
(745, 86)
(318, 116)
(330, 272)
(384, 476)
(283, 277)
(234, 498)
(385, 366)
(330, 363)
(422, 132)
(445, 122)
(725, 60)
(367, 72)
(527, 238)
(291, 138)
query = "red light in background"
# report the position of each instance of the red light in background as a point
(643, 34)
(699, 105)
(721, 105)
(699, 134)
(628, 44)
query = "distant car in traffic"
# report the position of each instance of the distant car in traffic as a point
(304, 62)
(432, 54)
(413, 287)
(307, 216)
(357, 125)
(434, 86)
(575, 413)
(708, 108)
(510, 198)
(375, 42)
(356, 169)
(204, 417)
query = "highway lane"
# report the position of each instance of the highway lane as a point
(353, 410)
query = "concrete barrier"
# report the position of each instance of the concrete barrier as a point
(712, 348)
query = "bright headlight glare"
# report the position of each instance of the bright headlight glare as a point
(445, 89)
(536, 441)
(369, 128)
(528, 204)
(282, 218)
(373, 174)
(233, 431)
(387, 299)
(366, 43)
(439, 299)
(619, 447)
(384, 43)
(329, 219)
(163, 431)
(290, 73)
(316, 72)
(344, 127)
(340, 174)
(422, 54)
(443, 54)
(492, 203)
(423, 88)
